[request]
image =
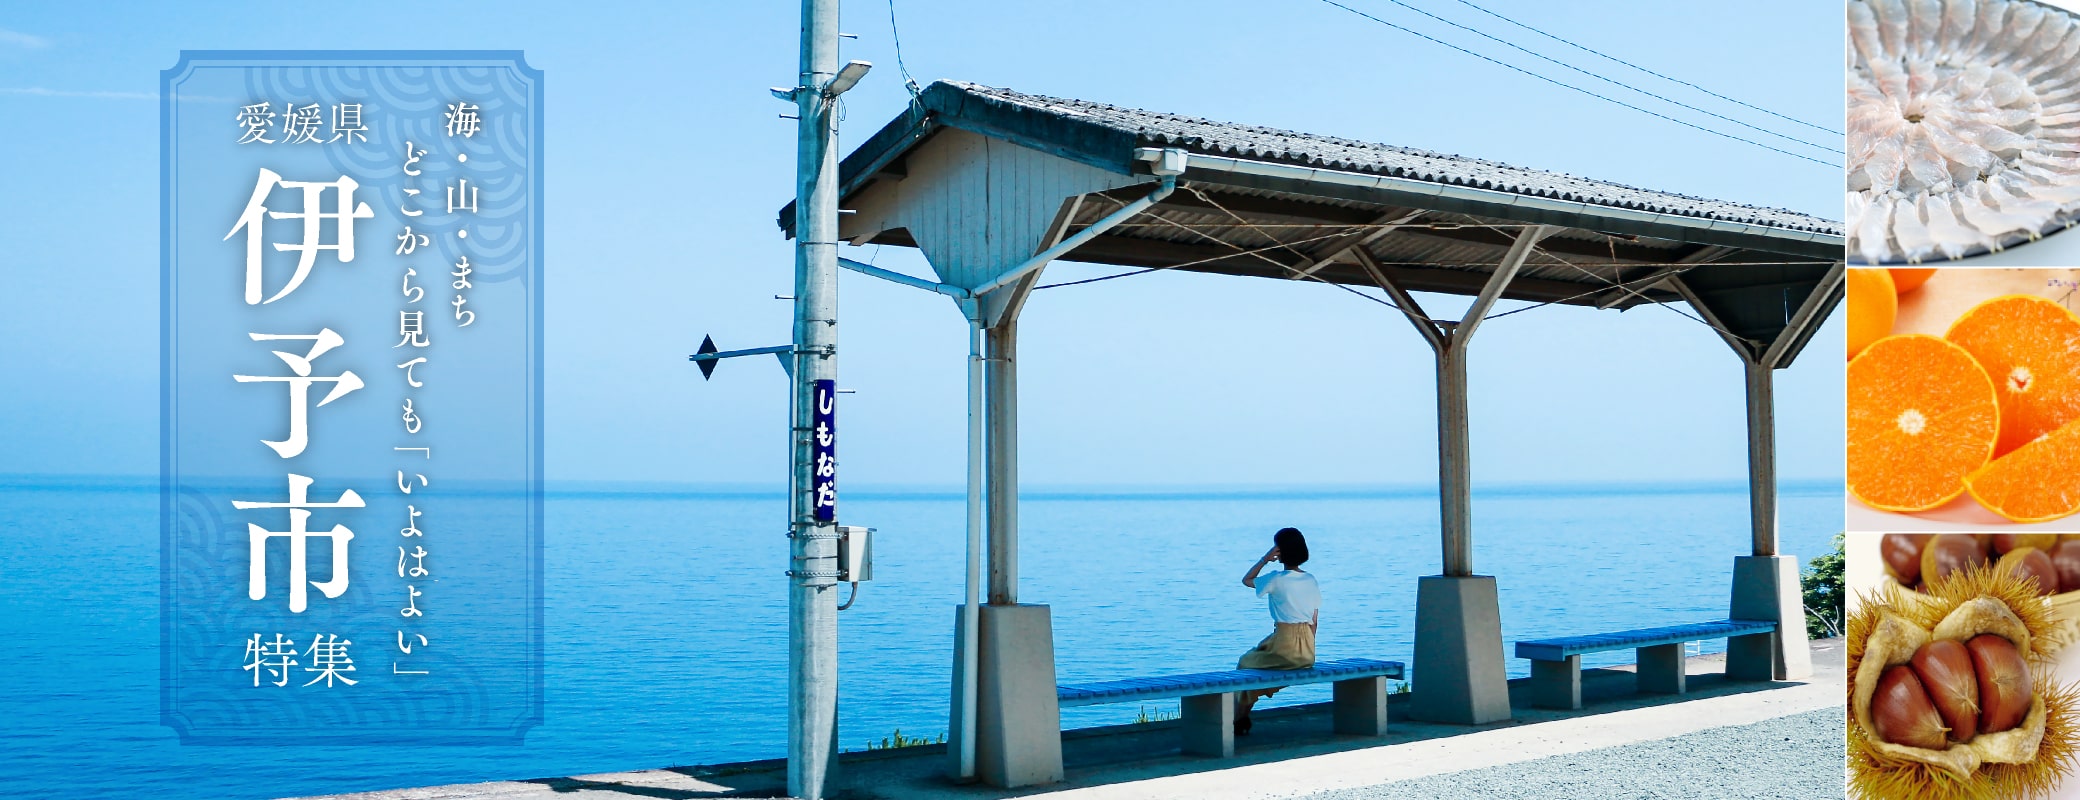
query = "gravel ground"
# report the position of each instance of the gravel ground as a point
(1798, 756)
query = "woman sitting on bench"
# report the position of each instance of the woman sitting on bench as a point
(1296, 603)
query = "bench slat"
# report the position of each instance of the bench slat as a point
(1559, 648)
(1198, 683)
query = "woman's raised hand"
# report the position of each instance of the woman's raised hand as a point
(1271, 555)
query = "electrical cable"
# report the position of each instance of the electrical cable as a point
(1573, 87)
(1595, 52)
(896, 34)
(1521, 48)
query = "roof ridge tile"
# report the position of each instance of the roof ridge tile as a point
(1281, 145)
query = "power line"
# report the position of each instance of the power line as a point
(1573, 87)
(1601, 54)
(897, 35)
(1520, 48)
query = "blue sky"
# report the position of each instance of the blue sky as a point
(667, 161)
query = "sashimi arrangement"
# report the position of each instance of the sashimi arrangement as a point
(1963, 126)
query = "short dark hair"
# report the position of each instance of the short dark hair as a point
(1292, 547)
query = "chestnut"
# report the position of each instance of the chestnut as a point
(1902, 713)
(1948, 553)
(2033, 564)
(1902, 552)
(1945, 670)
(2004, 543)
(2066, 557)
(2005, 686)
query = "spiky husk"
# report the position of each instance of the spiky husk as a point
(1877, 776)
(2048, 633)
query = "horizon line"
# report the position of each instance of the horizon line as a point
(616, 486)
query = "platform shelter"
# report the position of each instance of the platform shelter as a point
(992, 185)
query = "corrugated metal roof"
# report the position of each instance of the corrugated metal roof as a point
(1751, 268)
(1106, 134)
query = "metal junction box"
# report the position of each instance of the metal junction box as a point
(855, 553)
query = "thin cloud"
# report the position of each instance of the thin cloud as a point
(23, 40)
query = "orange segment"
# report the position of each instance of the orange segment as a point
(1873, 305)
(1922, 415)
(2038, 482)
(2030, 348)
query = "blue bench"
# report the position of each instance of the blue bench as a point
(1206, 699)
(1556, 664)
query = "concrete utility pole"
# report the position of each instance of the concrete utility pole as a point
(812, 601)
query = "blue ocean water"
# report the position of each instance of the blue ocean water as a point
(666, 615)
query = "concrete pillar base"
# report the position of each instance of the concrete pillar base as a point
(1766, 587)
(1018, 725)
(1459, 667)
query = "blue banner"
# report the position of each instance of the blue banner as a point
(351, 462)
(826, 445)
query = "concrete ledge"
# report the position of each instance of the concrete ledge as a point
(1283, 756)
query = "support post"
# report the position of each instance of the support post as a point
(1454, 473)
(1762, 458)
(1359, 707)
(1661, 669)
(1208, 723)
(812, 603)
(1001, 349)
(1766, 583)
(1018, 722)
(1006, 722)
(1459, 671)
(1556, 684)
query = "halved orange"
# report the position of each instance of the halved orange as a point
(1907, 280)
(2030, 348)
(2038, 482)
(1873, 306)
(1922, 415)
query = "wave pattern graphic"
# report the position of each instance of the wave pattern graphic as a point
(401, 105)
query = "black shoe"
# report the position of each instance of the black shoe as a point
(1242, 726)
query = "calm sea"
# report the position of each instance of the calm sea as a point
(666, 618)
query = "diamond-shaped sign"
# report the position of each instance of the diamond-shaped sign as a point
(708, 366)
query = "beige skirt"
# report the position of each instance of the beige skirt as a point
(1290, 646)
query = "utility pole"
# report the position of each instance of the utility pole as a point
(812, 602)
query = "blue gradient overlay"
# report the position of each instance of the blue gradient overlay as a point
(473, 553)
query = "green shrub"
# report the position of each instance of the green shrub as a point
(1822, 585)
(897, 739)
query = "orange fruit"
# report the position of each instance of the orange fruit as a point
(2038, 482)
(1922, 415)
(1907, 280)
(1872, 306)
(2030, 347)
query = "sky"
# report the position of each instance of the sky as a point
(667, 161)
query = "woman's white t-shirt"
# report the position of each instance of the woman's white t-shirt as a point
(1294, 595)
